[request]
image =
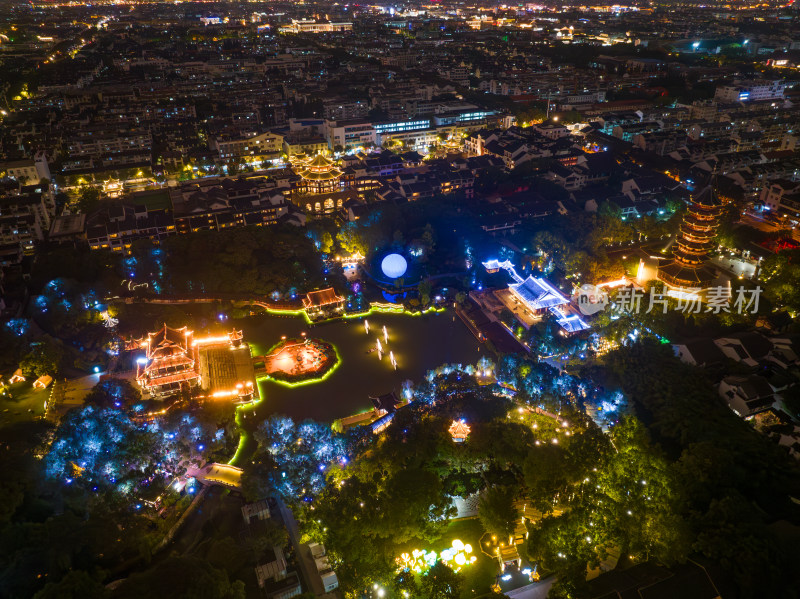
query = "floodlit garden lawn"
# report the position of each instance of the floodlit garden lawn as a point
(479, 576)
(25, 397)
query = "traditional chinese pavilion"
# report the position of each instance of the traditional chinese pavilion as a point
(538, 296)
(170, 362)
(321, 189)
(694, 243)
(459, 430)
(317, 302)
(320, 175)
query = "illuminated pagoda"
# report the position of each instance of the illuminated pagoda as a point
(170, 363)
(459, 430)
(320, 175)
(321, 189)
(694, 243)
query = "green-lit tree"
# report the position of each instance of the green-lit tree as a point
(440, 582)
(497, 512)
(44, 358)
(77, 584)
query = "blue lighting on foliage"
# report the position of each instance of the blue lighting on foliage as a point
(56, 286)
(41, 303)
(18, 326)
(607, 406)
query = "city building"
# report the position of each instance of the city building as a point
(25, 216)
(312, 26)
(746, 395)
(27, 171)
(750, 91)
(259, 148)
(344, 135)
(326, 575)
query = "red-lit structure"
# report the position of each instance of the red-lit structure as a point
(171, 361)
(694, 243)
(315, 303)
(176, 360)
(459, 430)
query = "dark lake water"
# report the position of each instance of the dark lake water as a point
(419, 343)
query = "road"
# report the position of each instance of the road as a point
(537, 590)
(767, 226)
(308, 568)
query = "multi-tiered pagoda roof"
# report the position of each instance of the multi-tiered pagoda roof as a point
(694, 243)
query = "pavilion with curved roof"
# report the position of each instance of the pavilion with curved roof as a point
(319, 175)
(322, 188)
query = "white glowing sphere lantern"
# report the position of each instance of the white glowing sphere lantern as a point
(394, 266)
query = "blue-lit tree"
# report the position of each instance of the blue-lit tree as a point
(298, 455)
(102, 448)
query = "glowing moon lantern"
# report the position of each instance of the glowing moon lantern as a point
(394, 266)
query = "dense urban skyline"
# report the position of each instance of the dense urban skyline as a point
(409, 300)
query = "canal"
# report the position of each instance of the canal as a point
(419, 344)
